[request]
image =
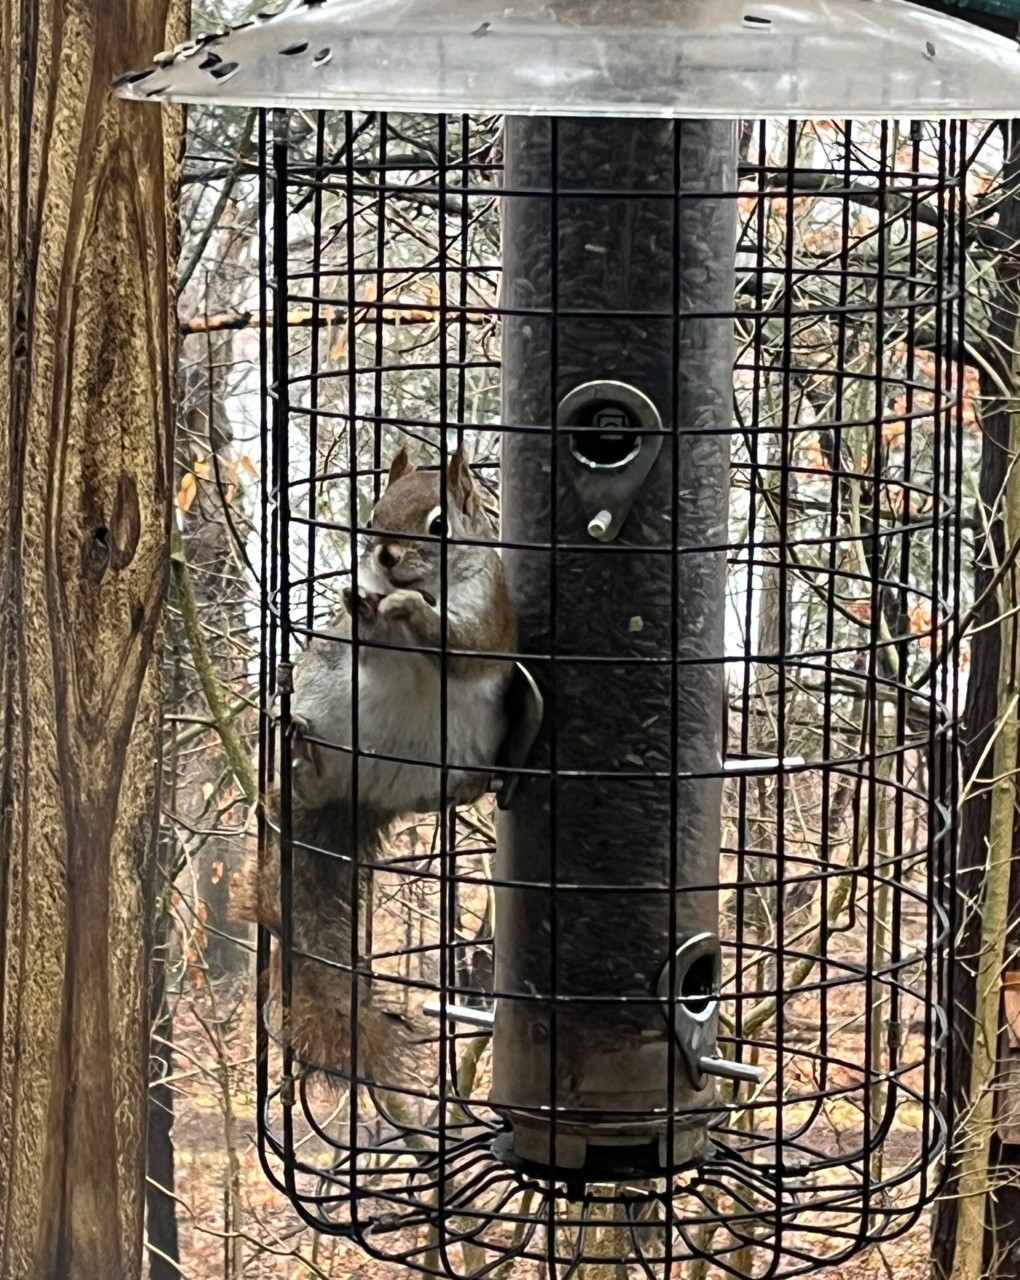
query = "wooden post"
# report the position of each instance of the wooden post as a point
(88, 245)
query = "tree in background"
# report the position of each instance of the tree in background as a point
(977, 1223)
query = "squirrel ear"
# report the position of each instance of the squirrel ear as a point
(400, 466)
(461, 482)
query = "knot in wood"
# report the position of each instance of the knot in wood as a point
(111, 544)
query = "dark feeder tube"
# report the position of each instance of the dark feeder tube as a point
(631, 262)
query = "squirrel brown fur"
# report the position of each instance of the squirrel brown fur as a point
(322, 918)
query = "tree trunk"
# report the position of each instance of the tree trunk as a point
(219, 595)
(87, 245)
(1001, 1217)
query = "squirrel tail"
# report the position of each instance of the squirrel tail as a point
(320, 1012)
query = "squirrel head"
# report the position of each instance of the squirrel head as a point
(408, 525)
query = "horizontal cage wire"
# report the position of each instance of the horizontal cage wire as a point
(611, 928)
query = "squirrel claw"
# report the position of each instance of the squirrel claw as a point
(301, 750)
(367, 605)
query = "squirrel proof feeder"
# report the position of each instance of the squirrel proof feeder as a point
(627, 289)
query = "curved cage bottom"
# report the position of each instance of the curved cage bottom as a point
(450, 1200)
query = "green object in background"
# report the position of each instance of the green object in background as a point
(1008, 10)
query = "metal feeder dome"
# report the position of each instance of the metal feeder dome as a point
(621, 58)
(635, 1109)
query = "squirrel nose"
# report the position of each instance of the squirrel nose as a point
(388, 556)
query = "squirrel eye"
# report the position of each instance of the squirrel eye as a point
(435, 524)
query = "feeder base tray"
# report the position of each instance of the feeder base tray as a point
(600, 1152)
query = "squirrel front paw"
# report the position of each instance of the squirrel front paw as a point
(366, 605)
(402, 604)
(301, 750)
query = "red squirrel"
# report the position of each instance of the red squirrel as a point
(399, 692)
(399, 714)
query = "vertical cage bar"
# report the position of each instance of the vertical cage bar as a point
(267, 621)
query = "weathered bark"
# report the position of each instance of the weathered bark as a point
(86, 379)
(981, 713)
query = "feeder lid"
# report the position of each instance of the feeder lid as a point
(651, 58)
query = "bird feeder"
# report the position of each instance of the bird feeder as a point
(636, 307)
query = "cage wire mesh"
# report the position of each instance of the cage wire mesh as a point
(722, 880)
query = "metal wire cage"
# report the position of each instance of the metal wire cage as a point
(681, 996)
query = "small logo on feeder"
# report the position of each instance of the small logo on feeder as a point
(608, 439)
(611, 421)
